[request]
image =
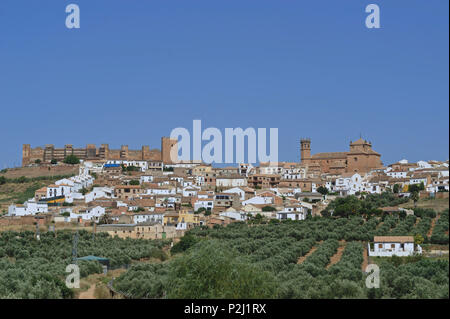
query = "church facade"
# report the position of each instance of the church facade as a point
(361, 158)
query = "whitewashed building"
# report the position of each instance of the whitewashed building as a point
(293, 213)
(30, 207)
(388, 246)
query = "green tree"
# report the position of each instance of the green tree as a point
(396, 189)
(53, 161)
(268, 209)
(22, 179)
(212, 270)
(323, 190)
(2, 180)
(418, 239)
(71, 159)
(134, 182)
(38, 161)
(200, 210)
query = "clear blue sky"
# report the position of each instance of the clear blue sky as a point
(137, 69)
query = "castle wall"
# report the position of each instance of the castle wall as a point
(45, 155)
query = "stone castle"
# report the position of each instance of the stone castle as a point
(360, 159)
(91, 152)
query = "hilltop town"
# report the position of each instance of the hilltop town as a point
(144, 194)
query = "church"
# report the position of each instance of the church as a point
(360, 159)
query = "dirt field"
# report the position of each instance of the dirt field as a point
(303, 258)
(337, 256)
(366, 259)
(94, 287)
(433, 223)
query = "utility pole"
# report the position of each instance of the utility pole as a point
(38, 233)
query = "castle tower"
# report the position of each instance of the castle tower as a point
(26, 154)
(145, 152)
(91, 151)
(124, 152)
(48, 152)
(305, 149)
(68, 150)
(103, 151)
(169, 150)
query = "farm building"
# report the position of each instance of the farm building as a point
(387, 246)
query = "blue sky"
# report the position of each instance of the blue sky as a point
(137, 69)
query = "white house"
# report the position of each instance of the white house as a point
(207, 203)
(348, 183)
(236, 190)
(92, 213)
(235, 215)
(231, 181)
(146, 179)
(161, 191)
(58, 190)
(388, 246)
(258, 200)
(397, 174)
(148, 217)
(30, 207)
(293, 213)
(189, 192)
(87, 167)
(99, 192)
(142, 165)
(246, 169)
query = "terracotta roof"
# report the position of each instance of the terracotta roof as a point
(330, 155)
(127, 186)
(393, 239)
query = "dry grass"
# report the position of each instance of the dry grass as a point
(101, 292)
(438, 204)
(95, 286)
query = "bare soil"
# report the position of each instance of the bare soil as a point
(433, 223)
(337, 256)
(303, 258)
(88, 294)
(366, 259)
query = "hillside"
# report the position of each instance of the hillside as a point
(19, 184)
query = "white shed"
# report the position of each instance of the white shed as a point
(387, 246)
